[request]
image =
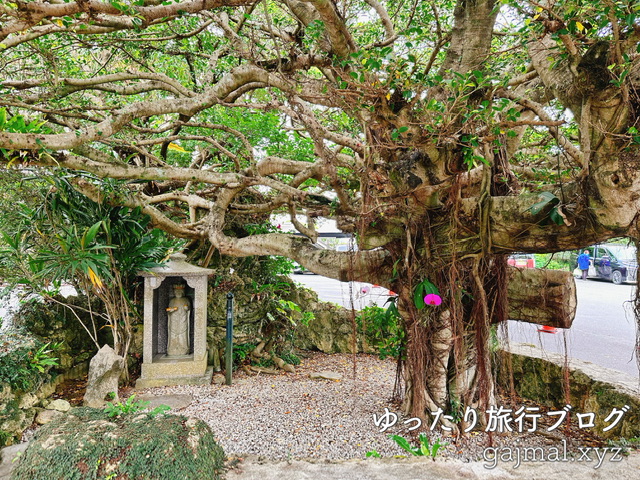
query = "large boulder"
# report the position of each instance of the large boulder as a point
(104, 373)
(87, 444)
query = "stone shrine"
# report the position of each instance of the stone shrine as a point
(175, 325)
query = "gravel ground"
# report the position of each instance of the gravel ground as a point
(291, 416)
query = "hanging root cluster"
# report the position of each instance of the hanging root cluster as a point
(447, 361)
(636, 307)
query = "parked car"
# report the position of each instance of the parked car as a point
(522, 260)
(614, 262)
(300, 270)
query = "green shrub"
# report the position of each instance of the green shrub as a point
(88, 444)
(241, 352)
(24, 361)
(555, 261)
(131, 405)
(291, 358)
(4, 436)
(11, 417)
(383, 329)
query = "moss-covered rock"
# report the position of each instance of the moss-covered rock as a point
(12, 421)
(87, 444)
(592, 389)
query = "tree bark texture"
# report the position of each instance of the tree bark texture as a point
(541, 296)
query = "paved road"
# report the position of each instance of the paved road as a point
(343, 293)
(603, 332)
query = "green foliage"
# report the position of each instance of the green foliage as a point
(290, 358)
(241, 352)
(555, 261)
(18, 124)
(4, 437)
(546, 200)
(383, 329)
(68, 235)
(95, 247)
(373, 453)
(286, 310)
(130, 406)
(280, 265)
(634, 134)
(41, 360)
(626, 444)
(494, 340)
(88, 444)
(24, 361)
(423, 450)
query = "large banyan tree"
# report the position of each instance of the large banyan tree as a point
(442, 134)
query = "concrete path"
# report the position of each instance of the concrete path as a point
(253, 468)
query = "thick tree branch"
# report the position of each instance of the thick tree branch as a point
(29, 14)
(538, 109)
(471, 35)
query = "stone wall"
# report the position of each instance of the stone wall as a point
(539, 377)
(18, 409)
(331, 330)
(55, 323)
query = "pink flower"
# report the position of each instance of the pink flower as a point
(364, 290)
(279, 227)
(433, 299)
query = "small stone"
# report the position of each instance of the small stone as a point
(59, 405)
(47, 416)
(326, 375)
(27, 401)
(218, 379)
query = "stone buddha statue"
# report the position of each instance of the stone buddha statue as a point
(178, 323)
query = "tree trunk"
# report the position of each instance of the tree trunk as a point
(448, 355)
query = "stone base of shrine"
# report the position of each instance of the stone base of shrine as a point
(167, 371)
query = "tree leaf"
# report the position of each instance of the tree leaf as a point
(418, 296)
(90, 234)
(430, 288)
(403, 443)
(547, 198)
(555, 216)
(177, 148)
